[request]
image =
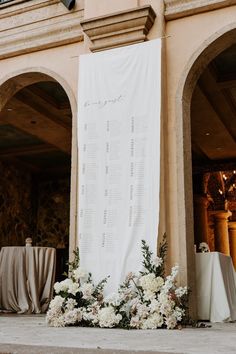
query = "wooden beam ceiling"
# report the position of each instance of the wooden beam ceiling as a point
(37, 123)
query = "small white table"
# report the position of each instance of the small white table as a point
(27, 276)
(216, 287)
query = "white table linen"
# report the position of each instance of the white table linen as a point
(27, 275)
(216, 287)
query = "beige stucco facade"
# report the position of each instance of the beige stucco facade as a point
(41, 36)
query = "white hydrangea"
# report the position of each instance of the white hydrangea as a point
(91, 316)
(152, 322)
(62, 286)
(166, 308)
(73, 288)
(81, 274)
(87, 290)
(163, 297)
(142, 310)
(108, 318)
(55, 320)
(70, 304)
(154, 306)
(149, 295)
(179, 292)
(150, 282)
(57, 302)
(73, 316)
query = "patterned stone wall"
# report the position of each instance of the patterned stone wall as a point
(31, 208)
(15, 205)
(53, 213)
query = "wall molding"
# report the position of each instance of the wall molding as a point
(35, 25)
(119, 28)
(180, 8)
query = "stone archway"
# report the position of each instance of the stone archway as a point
(16, 111)
(217, 43)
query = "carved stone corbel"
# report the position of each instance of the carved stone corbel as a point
(120, 28)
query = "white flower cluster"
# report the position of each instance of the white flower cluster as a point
(203, 247)
(156, 302)
(144, 301)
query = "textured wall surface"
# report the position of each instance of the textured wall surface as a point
(53, 214)
(15, 205)
(30, 208)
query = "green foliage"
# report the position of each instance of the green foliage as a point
(162, 253)
(99, 288)
(149, 266)
(74, 263)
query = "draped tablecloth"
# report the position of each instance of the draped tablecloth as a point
(216, 287)
(27, 275)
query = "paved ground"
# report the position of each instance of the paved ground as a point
(22, 334)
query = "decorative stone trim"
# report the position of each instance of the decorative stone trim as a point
(120, 28)
(180, 8)
(35, 25)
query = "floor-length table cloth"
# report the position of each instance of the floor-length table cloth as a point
(27, 275)
(216, 287)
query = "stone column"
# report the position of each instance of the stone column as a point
(211, 230)
(201, 204)
(221, 231)
(232, 241)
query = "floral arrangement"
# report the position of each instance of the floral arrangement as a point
(147, 300)
(203, 247)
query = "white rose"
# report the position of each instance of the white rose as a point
(62, 286)
(81, 274)
(87, 290)
(73, 288)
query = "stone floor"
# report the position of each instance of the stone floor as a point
(24, 334)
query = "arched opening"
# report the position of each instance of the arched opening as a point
(35, 163)
(213, 137)
(208, 52)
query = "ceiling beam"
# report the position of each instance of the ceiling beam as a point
(27, 150)
(44, 106)
(212, 90)
(29, 120)
(214, 166)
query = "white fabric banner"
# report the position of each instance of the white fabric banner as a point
(119, 158)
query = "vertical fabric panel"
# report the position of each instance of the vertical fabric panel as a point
(119, 158)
